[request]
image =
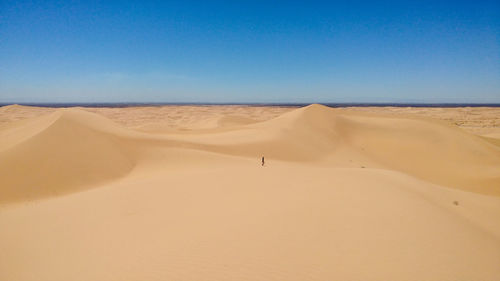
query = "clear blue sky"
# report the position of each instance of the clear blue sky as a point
(255, 51)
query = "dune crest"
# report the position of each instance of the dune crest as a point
(72, 149)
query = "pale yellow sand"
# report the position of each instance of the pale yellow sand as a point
(178, 193)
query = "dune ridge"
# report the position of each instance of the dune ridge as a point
(429, 150)
(72, 149)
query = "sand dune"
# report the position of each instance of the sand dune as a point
(70, 149)
(60, 153)
(344, 195)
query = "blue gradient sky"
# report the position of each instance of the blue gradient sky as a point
(255, 51)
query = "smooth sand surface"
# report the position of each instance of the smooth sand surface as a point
(179, 193)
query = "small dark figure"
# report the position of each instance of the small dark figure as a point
(263, 161)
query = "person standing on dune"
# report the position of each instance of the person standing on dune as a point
(263, 161)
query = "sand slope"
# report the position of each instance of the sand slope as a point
(59, 153)
(343, 196)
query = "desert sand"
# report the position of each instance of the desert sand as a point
(179, 193)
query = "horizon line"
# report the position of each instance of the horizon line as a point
(291, 104)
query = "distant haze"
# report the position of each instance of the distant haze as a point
(255, 51)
